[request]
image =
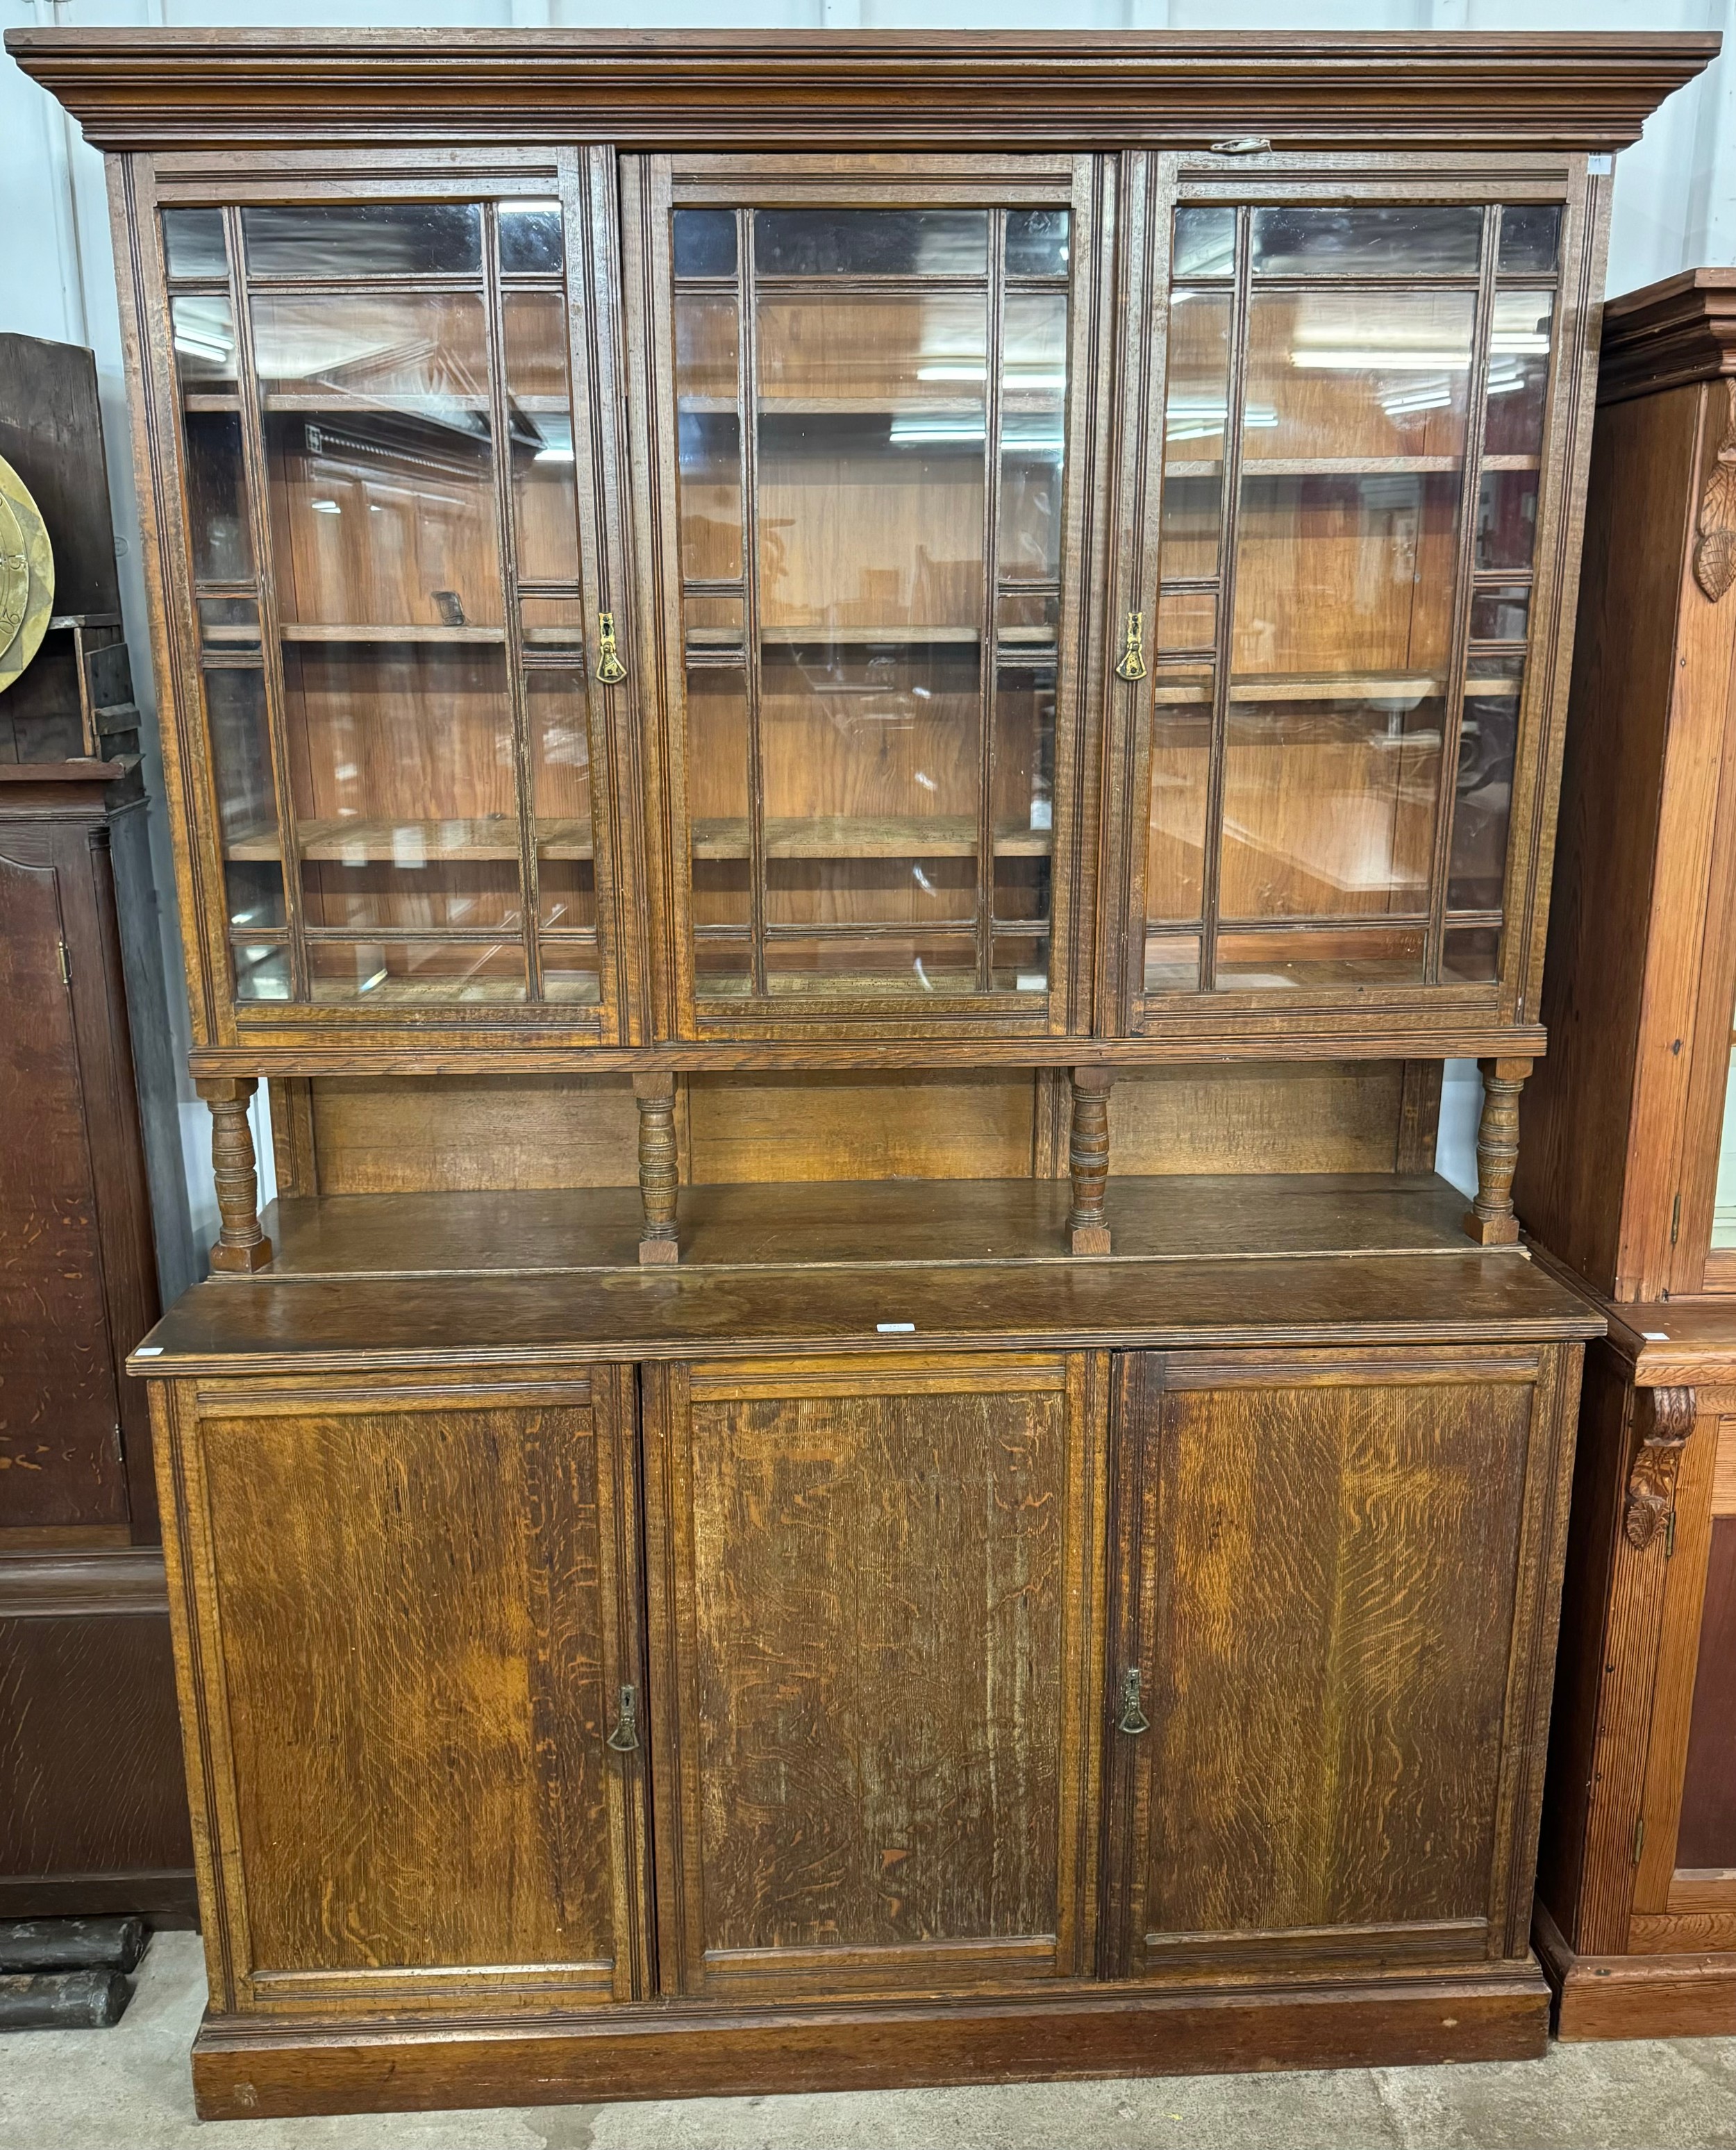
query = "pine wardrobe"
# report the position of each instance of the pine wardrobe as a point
(850, 719)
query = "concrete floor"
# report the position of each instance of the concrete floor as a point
(126, 2089)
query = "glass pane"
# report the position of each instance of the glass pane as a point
(1021, 963)
(885, 966)
(246, 796)
(705, 242)
(204, 358)
(1026, 622)
(1488, 732)
(261, 970)
(871, 242)
(1036, 242)
(540, 414)
(1172, 962)
(1205, 242)
(408, 972)
(1328, 804)
(1024, 794)
(405, 797)
(194, 243)
(709, 428)
(1187, 619)
(561, 800)
(380, 462)
(1358, 376)
(1724, 1212)
(1181, 737)
(1252, 962)
(552, 623)
(716, 628)
(1470, 955)
(365, 238)
(1518, 372)
(1194, 422)
(717, 804)
(1416, 240)
(229, 623)
(1033, 383)
(531, 241)
(1531, 235)
(1499, 615)
(1506, 519)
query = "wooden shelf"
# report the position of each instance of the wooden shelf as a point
(394, 843)
(1033, 641)
(848, 836)
(1333, 687)
(410, 632)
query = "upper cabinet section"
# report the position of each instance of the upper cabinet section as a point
(872, 463)
(956, 545)
(1356, 496)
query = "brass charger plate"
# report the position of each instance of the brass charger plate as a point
(27, 576)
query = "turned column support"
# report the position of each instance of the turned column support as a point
(1088, 1157)
(241, 1246)
(1490, 1220)
(659, 1174)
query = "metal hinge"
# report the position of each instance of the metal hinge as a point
(1669, 1536)
(1639, 1839)
(1675, 1217)
(66, 966)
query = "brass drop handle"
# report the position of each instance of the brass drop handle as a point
(610, 669)
(625, 1736)
(1133, 651)
(1132, 1720)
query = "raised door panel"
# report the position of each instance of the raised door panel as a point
(874, 1633)
(429, 1813)
(60, 1447)
(1327, 1603)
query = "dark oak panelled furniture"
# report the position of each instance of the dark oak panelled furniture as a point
(780, 654)
(1626, 1179)
(92, 1804)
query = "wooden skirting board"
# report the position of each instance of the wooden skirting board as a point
(1636, 1996)
(243, 2069)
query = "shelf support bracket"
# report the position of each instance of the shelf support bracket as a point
(659, 1175)
(1662, 1420)
(1490, 1221)
(1088, 1157)
(241, 1246)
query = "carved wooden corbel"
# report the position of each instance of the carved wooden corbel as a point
(1664, 1419)
(1714, 554)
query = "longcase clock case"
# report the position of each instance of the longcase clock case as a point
(850, 722)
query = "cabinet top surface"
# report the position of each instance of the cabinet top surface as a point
(818, 90)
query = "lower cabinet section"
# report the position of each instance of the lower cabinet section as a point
(877, 1718)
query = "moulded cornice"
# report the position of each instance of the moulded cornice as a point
(828, 90)
(1681, 329)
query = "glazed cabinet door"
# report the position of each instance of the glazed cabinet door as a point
(1330, 1659)
(874, 1631)
(386, 497)
(1351, 526)
(870, 389)
(407, 1645)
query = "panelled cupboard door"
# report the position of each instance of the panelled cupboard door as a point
(410, 1667)
(875, 1632)
(870, 394)
(1364, 413)
(385, 486)
(1335, 1572)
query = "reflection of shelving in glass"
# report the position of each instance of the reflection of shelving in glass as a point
(872, 569)
(1354, 431)
(380, 452)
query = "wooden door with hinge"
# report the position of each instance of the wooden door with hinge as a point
(1331, 1649)
(1684, 1839)
(407, 1642)
(876, 1642)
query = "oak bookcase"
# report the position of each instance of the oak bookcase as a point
(775, 652)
